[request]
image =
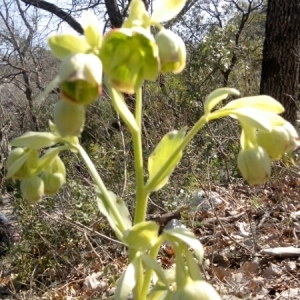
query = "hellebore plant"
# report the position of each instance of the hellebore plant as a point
(128, 56)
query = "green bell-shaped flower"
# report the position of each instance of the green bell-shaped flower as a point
(80, 76)
(52, 182)
(32, 189)
(129, 56)
(69, 118)
(280, 140)
(255, 165)
(172, 51)
(194, 290)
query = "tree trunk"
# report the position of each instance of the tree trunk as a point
(280, 65)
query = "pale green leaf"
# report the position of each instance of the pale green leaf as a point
(186, 236)
(17, 164)
(152, 264)
(122, 108)
(216, 96)
(158, 172)
(193, 268)
(35, 140)
(258, 119)
(127, 281)
(66, 44)
(120, 206)
(142, 235)
(165, 10)
(159, 292)
(47, 159)
(262, 103)
(52, 85)
(92, 29)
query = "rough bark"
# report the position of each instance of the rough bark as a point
(280, 65)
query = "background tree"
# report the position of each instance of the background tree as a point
(280, 64)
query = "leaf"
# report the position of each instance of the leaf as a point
(66, 44)
(142, 235)
(216, 96)
(258, 119)
(158, 172)
(127, 281)
(17, 164)
(35, 140)
(186, 236)
(166, 10)
(52, 85)
(92, 30)
(193, 268)
(262, 103)
(47, 159)
(121, 108)
(152, 264)
(120, 206)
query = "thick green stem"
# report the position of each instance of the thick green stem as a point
(98, 181)
(141, 196)
(148, 273)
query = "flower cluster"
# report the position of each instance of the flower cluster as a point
(38, 175)
(265, 136)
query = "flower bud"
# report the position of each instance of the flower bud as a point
(69, 118)
(194, 290)
(26, 168)
(81, 78)
(32, 189)
(129, 56)
(172, 51)
(52, 182)
(280, 140)
(255, 165)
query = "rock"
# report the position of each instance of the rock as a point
(91, 282)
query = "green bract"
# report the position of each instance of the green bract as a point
(255, 165)
(80, 76)
(165, 10)
(69, 118)
(280, 140)
(138, 15)
(32, 189)
(66, 44)
(92, 30)
(129, 56)
(21, 163)
(172, 51)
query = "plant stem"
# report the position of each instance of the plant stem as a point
(98, 181)
(141, 196)
(148, 273)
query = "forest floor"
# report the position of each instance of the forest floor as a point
(251, 241)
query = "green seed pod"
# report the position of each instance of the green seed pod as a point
(69, 118)
(53, 182)
(32, 189)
